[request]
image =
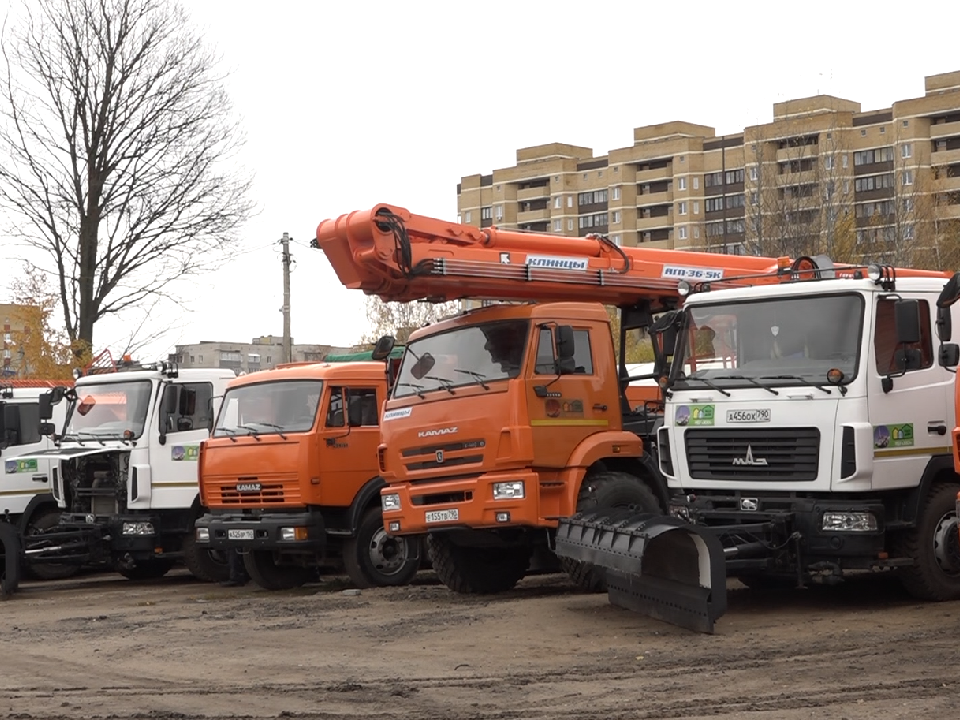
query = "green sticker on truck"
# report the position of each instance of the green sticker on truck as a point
(20, 466)
(893, 436)
(695, 415)
(188, 453)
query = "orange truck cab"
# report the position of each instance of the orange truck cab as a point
(291, 479)
(501, 422)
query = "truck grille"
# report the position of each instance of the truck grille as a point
(432, 457)
(271, 492)
(770, 454)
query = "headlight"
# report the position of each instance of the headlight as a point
(849, 522)
(203, 534)
(512, 490)
(138, 528)
(390, 502)
(293, 533)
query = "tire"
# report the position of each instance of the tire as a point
(611, 489)
(476, 571)
(43, 520)
(374, 559)
(934, 547)
(147, 570)
(265, 572)
(9, 559)
(203, 564)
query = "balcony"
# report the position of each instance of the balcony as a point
(945, 157)
(655, 174)
(653, 197)
(651, 223)
(802, 152)
(533, 216)
(944, 130)
(533, 193)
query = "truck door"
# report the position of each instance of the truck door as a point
(567, 407)
(183, 417)
(349, 441)
(22, 479)
(910, 422)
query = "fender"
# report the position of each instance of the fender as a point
(617, 449)
(938, 466)
(38, 502)
(364, 497)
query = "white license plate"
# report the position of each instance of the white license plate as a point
(240, 534)
(435, 516)
(748, 416)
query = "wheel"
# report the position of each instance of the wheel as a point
(600, 490)
(204, 564)
(476, 571)
(147, 570)
(374, 559)
(264, 571)
(934, 546)
(9, 558)
(41, 521)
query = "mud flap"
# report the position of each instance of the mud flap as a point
(657, 565)
(9, 559)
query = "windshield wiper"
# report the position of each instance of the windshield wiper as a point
(253, 431)
(226, 430)
(708, 384)
(93, 436)
(443, 382)
(479, 377)
(802, 381)
(279, 428)
(749, 380)
(418, 389)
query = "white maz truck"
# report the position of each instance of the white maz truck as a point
(124, 471)
(26, 502)
(808, 425)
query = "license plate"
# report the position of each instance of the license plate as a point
(435, 516)
(240, 534)
(748, 416)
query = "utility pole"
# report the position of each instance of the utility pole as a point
(285, 243)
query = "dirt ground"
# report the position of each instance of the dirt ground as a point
(105, 647)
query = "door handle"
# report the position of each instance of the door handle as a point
(937, 429)
(601, 408)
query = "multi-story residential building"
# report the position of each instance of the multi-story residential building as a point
(823, 176)
(14, 320)
(261, 353)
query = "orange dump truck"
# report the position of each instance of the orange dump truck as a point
(291, 478)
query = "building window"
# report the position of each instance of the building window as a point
(558, 225)
(681, 183)
(908, 177)
(201, 358)
(569, 201)
(191, 358)
(592, 198)
(570, 224)
(615, 239)
(599, 173)
(696, 207)
(486, 213)
(7, 338)
(753, 198)
(468, 218)
(696, 183)
(616, 193)
(906, 123)
(269, 358)
(499, 212)
(616, 217)
(883, 130)
(558, 202)
(906, 150)
(683, 232)
(584, 176)
(863, 132)
(843, 160)
(753, 173)
(682, 208)
(696, 231)
(908, 232)
(828, 162)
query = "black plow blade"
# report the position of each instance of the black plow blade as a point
(657, 565)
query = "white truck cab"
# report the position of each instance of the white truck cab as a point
(807, 423)
(124, 470)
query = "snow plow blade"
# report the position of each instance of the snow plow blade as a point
(657, 565)
(9, 559)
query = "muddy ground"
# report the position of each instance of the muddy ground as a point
(104, 647)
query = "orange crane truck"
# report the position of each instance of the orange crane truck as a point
(291, 480)
(507, 427)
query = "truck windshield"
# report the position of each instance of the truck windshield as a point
(269, 407)
(117, 409)
(472, 355)
(781, 341)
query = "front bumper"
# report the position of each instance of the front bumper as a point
(263, 532)
(471, 499)
(78, 540)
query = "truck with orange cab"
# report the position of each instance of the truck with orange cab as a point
(796, 439)
(291, 479)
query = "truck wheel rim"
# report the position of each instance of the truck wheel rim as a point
(946, 544)
(387, 554)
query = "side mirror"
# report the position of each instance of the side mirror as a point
(565, 342)
(383, 348)
(949, 355)
(46, 405)
(423, 366)
(906, 317)
(47, 429)
(168, 408)
(950, 293)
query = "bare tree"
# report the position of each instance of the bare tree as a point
(401, 319)
(115, 137)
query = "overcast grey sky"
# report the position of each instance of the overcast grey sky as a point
(346, 105)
